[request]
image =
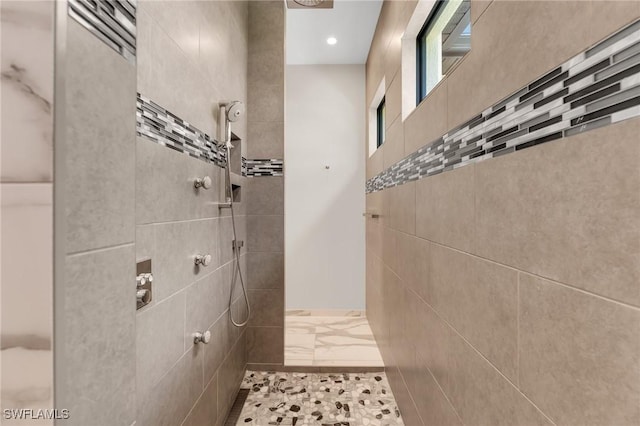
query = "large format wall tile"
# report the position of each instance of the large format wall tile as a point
(414, 263)
(393, 55)
(231, 374)
(220, 345)
(403, 398)
(375, 162)
(573, 196)
(265, 196)
(483, 396)
(462, 306)
(393, 100)
(98, 379)
(180, 21)
(373, 293)
(224, 34)
(205, 411)
(266, 26)
(480, 300)
(392, 149)
(160, 340)
(583, 348)
(390, 248)
(477, 9)
(261, 67)
(265, 270)
(432, 338)
(160, 60)
(265, 233)
(206, 300)
(100, 158)
(265, 344)
(434, 407)
(266, 102)
(267, 307)
(176, 245)
(267, 140)
(402, 208)
(175, 394)
(163, 171)
(428, 121)
(445, 208)
(495, 68)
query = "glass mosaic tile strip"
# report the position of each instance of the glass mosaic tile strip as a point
(598, 87)
(112, 21)
(161, 126)
(264, 167)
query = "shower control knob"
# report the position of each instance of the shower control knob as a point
(143, 295)
(204, 182)
(203, 259)
(144, 278)
(202, 337)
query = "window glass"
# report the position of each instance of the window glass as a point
(444, 39)
(380, 115)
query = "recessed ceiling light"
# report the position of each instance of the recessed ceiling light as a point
(332, 40)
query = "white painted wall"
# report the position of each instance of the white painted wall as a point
(324, 227)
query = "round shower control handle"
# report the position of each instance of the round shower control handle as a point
(203, 259)
(204, 182)
(202, 337)
(143, 295)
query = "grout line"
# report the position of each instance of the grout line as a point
(483, 12)
(101, 249)
(517, 378)
(200, 219)
(480, 353)
(440, 388)
(608, 299)
(27, 182)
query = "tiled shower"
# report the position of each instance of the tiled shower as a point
(502, 249)
(136, 84)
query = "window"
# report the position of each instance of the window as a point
(443, 40)
(380, 112)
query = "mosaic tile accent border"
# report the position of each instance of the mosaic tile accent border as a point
(596, 88)
(112, 21)
(161, 126)
(264, 167)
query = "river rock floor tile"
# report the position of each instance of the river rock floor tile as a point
(347, 399)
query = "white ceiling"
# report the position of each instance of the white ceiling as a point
(352, 22)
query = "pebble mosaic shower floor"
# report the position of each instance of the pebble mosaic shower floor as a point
(320, 399)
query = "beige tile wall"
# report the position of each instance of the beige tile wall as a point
(265, 206)
(191, 56)
(130, 199)
(94, 307)
(508, 292)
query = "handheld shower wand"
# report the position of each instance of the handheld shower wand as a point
(230, 113)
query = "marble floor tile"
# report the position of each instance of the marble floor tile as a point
(347, 399)
(324, 313)
(299, 346)
(330, 341)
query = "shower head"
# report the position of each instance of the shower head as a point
(234, 111)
